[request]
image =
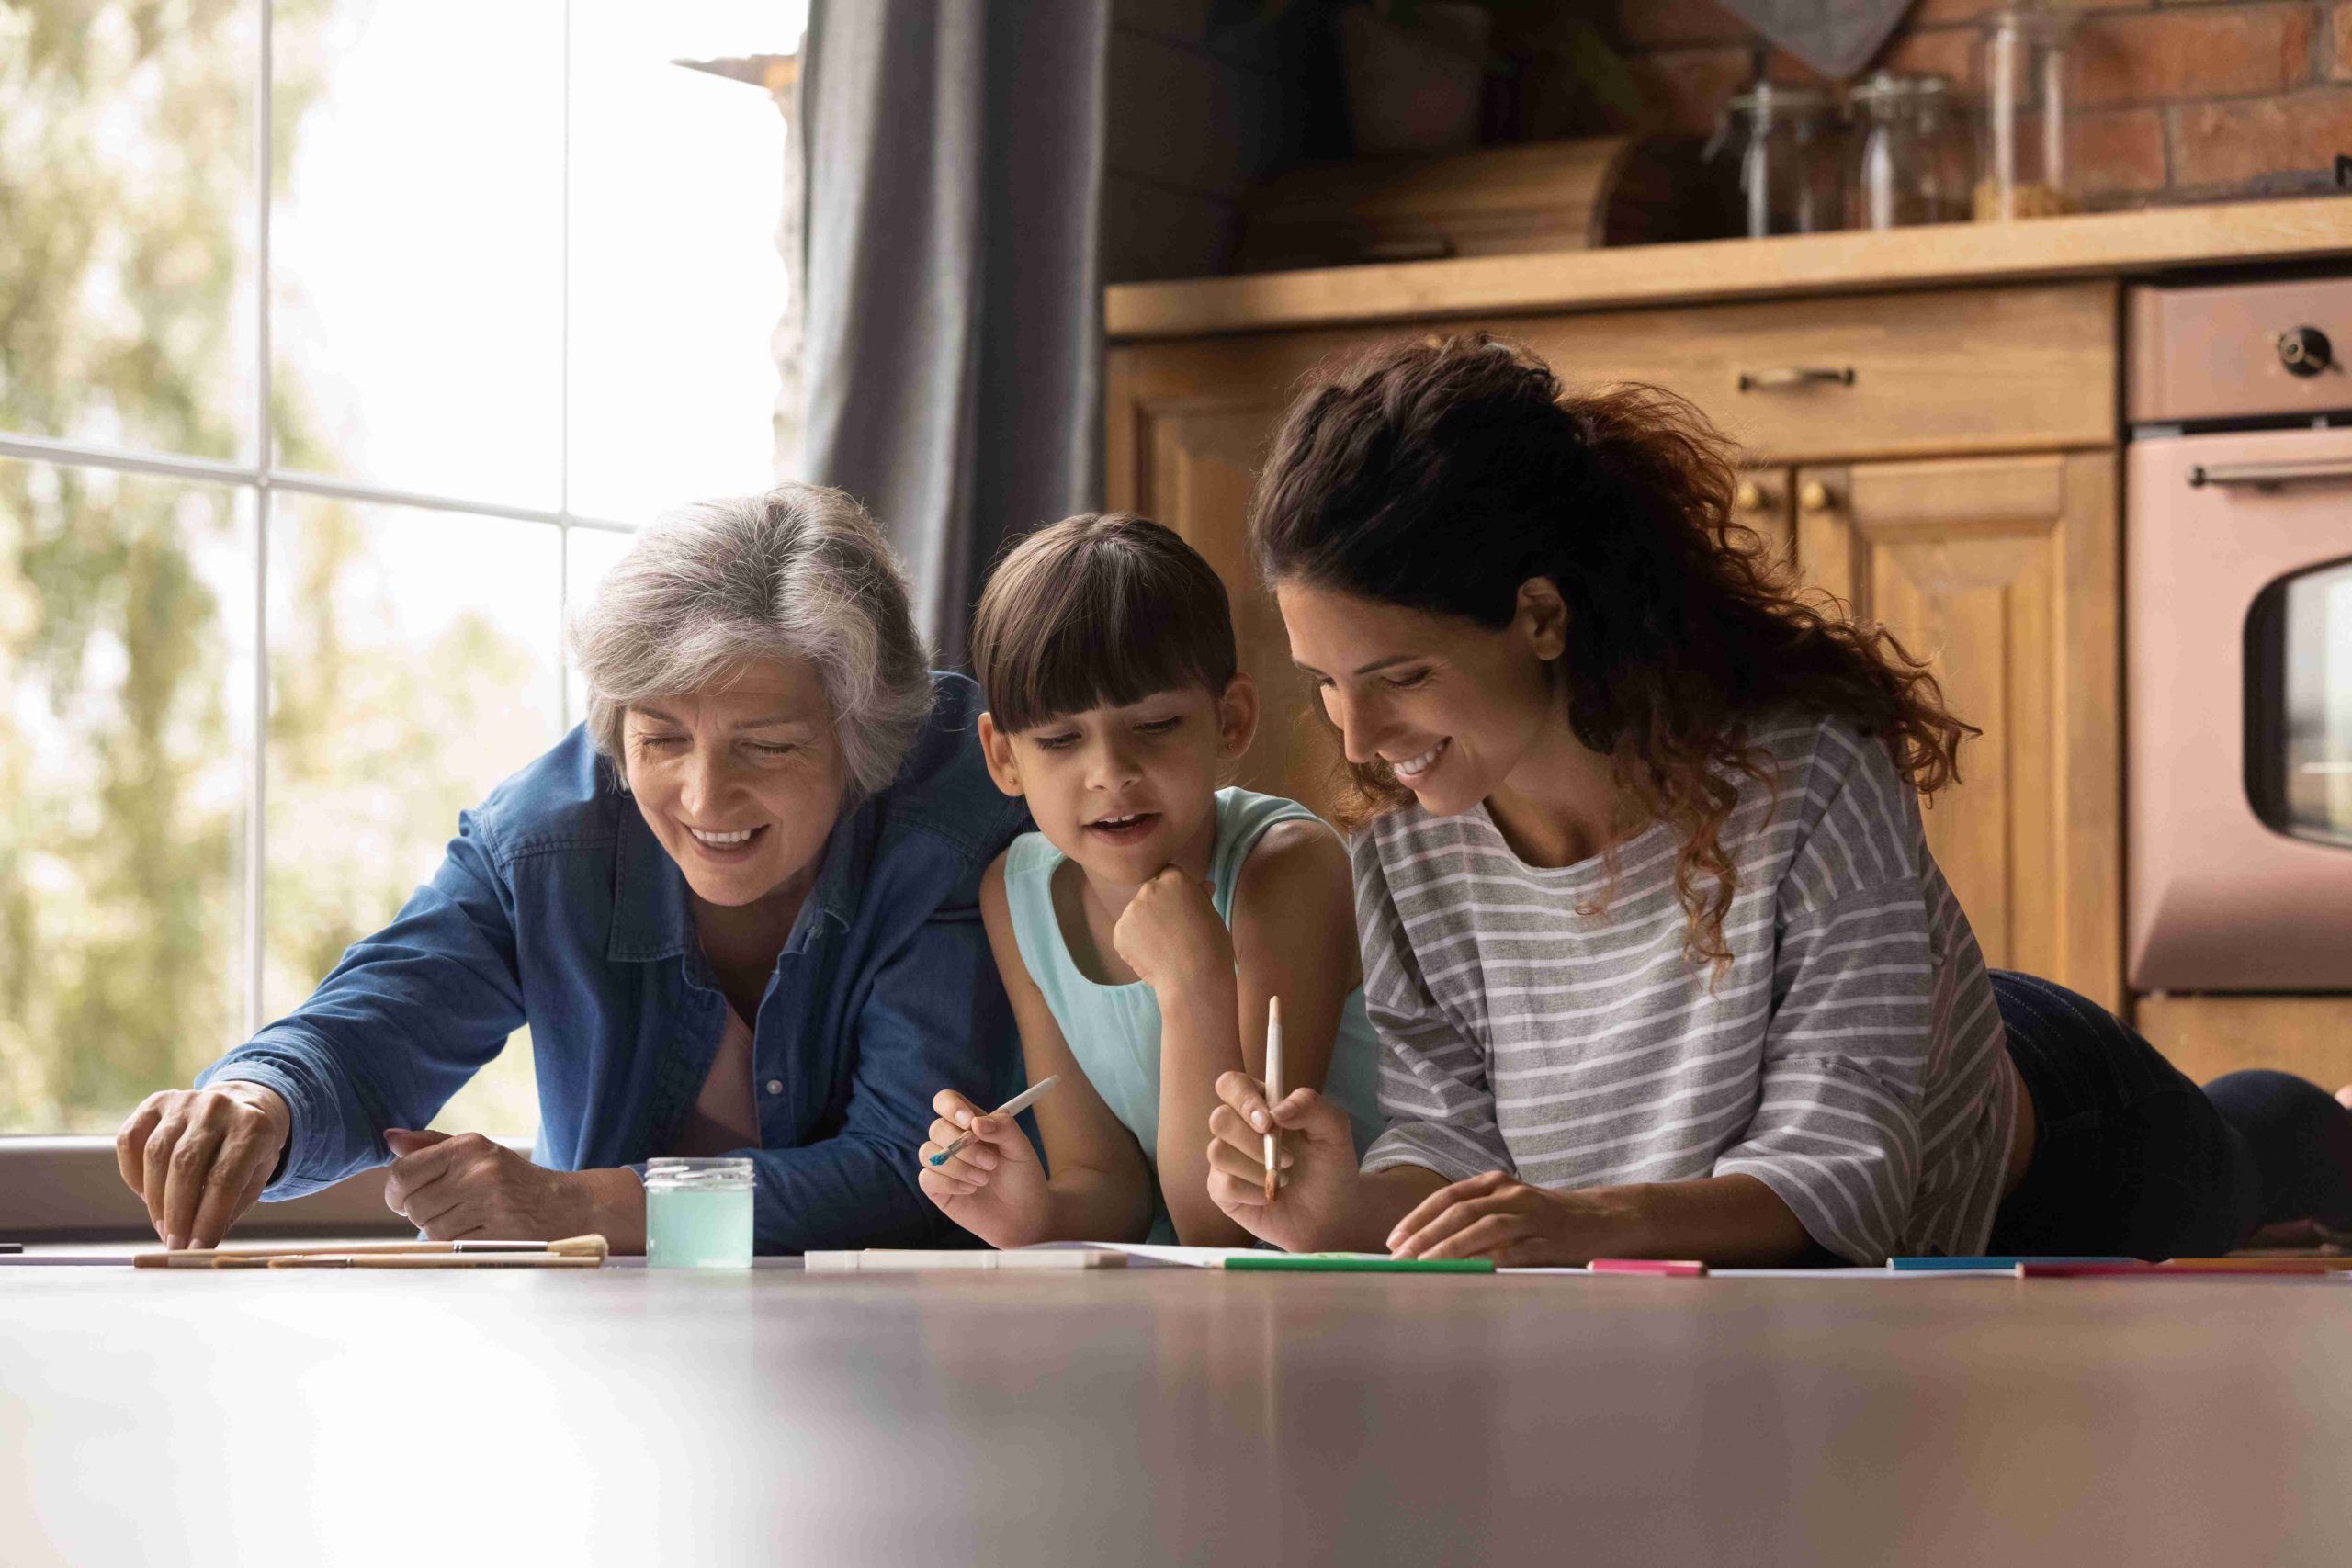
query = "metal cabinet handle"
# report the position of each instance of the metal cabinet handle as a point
(1816, 496)
(1794, 375)
(1751, 497)
(2268, 475)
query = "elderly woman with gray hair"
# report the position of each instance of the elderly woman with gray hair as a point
(738, 908)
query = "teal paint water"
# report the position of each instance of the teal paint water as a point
(688, 1227)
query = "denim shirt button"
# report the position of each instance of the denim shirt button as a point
(775, 1086)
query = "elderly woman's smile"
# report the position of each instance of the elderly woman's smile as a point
(741, 781)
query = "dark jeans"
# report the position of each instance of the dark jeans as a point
(2132, 1159)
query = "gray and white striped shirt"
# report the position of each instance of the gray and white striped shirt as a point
(1850, 1057)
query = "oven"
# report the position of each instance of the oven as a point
(2238, 605)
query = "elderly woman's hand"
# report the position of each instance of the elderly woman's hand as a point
(452, 1187)
(199, 1157)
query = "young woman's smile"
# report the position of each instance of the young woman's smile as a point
(1451, 708)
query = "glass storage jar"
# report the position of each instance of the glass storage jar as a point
(2025, 67)
(1786, 141)
(698, 1213)
(1907, 159)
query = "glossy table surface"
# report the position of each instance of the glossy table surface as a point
(630, 1417)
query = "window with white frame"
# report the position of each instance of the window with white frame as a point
(295, 492)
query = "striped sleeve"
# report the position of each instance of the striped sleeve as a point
(1836, 1130)
(1433, 1088)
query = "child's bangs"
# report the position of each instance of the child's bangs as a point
(1116, 652)
(1098, 611)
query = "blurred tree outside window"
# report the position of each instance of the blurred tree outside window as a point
(520, 287)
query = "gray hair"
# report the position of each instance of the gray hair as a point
(800, 573)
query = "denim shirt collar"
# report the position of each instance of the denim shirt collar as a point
(653, 913)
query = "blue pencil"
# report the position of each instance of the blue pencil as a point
(1954, 1265)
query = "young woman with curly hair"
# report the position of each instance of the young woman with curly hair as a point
(1659, 958)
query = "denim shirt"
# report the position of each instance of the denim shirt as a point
(558, 907)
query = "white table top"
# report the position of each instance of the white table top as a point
(629, 1416)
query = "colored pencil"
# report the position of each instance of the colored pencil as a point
(1014, 1107)
(1273, 1093)
(1366, 1263)
(1678, 1268)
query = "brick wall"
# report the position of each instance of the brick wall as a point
(2179, 102)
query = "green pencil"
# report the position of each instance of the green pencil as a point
(1355, 1263)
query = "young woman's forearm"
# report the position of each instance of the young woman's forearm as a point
(1732, 1221)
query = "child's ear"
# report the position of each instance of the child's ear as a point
(997, 748)
(1237, 717)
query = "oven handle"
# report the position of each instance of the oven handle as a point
(2268, 475)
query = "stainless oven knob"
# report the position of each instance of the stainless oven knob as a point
(2304, 351)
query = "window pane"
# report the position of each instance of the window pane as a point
(414, 664)
(126, 223)
(676, 283)
(2318, 699)
(416, 246)
(126, 682)
(589, 553)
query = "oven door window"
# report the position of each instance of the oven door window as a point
(2299, 705)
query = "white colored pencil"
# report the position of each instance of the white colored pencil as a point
(1273, 1092)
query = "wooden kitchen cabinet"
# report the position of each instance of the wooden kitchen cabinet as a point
(2001, 572)
(1964, 485)
(1766, 502)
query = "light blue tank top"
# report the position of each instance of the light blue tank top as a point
(1113, 1030)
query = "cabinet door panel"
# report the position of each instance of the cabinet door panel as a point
(1766, 502)
(2001, 573)
(1195, 459)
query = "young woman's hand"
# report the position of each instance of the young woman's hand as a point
(1317, 1196)
(1496, 1216)
(1170, 936)
(993, 1186)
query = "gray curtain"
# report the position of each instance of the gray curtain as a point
(954, 305)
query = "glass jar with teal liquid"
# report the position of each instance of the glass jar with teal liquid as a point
(698, 1213)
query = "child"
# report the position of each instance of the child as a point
(1142, 929)
(1651, 931)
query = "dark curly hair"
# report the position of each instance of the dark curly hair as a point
(1442, 474)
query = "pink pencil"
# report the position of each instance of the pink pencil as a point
(1680, 1268)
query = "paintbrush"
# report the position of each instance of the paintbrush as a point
(590, 1245)
(1273, 1093)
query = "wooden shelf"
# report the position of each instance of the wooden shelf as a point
(2093, 244)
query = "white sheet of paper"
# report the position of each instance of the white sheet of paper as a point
(1146, 1254)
